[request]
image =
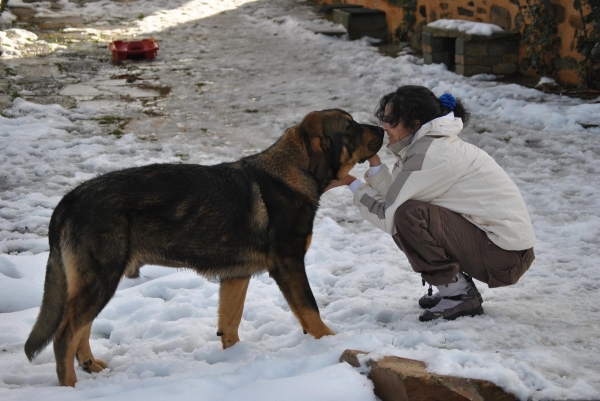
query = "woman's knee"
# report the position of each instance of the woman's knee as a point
(413, 219)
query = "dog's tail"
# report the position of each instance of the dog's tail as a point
(53, 306)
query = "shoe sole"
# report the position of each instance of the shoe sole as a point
(472, 313)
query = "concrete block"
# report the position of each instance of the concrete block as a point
(360, 22)
(490, 60)
(426, 38)
(505, 69)
(436, 32)
(470, 70)
(510, 58)
(460, 45)
(496, 47)
(471, 60)
(427, 58)
(475, 49)
(465, 60)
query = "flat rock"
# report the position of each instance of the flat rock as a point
(58, 22)
(65, 101)
(79, 90)
(402, 379)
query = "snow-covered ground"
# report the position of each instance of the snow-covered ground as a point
(240, 72)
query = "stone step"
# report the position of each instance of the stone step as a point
(333, 32)
(361, 22)
(327, 10)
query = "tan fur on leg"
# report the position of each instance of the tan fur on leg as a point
(311, 323)
(84, 353)
(66, 342)
(231, 305)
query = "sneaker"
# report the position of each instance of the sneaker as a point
(458, 285)
(450, 308)
(429, 301)
(470, 281)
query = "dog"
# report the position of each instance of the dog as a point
(228, 221)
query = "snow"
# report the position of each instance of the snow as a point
(261, 68)
(469, 27)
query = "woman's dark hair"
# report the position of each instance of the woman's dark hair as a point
(410, 103)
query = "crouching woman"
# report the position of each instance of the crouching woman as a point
(448, 205)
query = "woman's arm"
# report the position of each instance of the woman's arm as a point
(427, 173)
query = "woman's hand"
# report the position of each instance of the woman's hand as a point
(347, 180)
(374, 160)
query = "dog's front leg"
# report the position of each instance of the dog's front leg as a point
(291, 278)
(232, 295)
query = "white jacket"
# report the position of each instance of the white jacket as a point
(434, 165)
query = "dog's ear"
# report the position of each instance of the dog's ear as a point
(317, 145)
(339, 153)
(319, 157)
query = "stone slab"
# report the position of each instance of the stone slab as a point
(360, 22)
(79, 90)
(65, 101)
(402, 379)
(455, 33)
(333, 32)
(327, 10)
(58, 23)
(23, 13)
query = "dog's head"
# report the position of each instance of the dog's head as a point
(336, 143)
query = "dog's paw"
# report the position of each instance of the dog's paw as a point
(94, 365)
(324, 331)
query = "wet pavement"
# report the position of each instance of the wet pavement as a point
(73, 67)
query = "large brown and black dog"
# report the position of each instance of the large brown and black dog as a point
(229, 221)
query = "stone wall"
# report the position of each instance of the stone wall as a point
(504, 13)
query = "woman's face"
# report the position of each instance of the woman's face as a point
(395, 133)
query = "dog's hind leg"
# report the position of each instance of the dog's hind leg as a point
(293, 283)
(232, 295)
(72, 337)
(66, 340)
(91, 283)
(84, 353)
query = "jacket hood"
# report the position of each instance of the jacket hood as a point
(447, 125)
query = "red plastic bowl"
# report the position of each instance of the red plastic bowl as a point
(137, 49)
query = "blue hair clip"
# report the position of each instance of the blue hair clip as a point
(448, 101)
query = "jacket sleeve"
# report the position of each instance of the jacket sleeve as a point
(381, 181)
(426, 174)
